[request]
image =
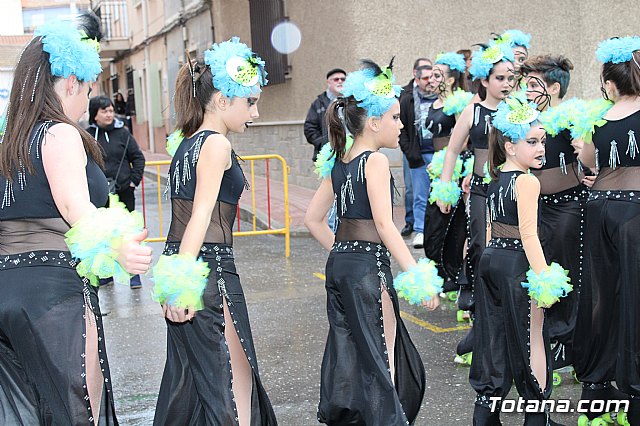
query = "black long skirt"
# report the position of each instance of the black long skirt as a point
(607, 336)
(196, 384)
(356, 387)
(561, 235)
(502, 332)
(42, 342)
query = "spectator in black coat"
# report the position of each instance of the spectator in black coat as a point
(123, 160)
(315, 129)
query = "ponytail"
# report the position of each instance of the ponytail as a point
(497, 153)
(194, 90)
(344, 115)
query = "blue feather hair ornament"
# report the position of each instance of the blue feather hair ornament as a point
(373, 88)
(237, 71)
(454, 60)
(483, 59)
(515, 38)
(70, 50)
(617, 50)
(514, 116)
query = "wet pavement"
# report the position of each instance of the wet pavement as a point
(286, 302)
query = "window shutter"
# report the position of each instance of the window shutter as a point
(264, 15)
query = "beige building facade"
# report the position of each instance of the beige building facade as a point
(338, 34)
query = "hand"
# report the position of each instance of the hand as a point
(133, 257)
(176, 314)
(445, 208)
(588, 181)
(131, 185)
(466, 184)
(431, 304)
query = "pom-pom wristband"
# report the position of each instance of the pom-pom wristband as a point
(549, 286)
(179, 280)
(96, 237)
(445, 192)
(420, 283)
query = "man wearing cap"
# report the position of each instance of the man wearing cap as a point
(315, 129)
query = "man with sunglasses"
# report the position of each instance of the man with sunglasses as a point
(315, 129)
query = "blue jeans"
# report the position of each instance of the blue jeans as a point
(421, 185)
(408, 191)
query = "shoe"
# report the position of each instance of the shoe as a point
(407, 230)
(418, 240)
(135, 282)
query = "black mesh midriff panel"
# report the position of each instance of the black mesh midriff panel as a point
(620, 179)
(555, 180)
(21, 236)
(502, 230)
(440, 142)
(357, 229)
(481, 157)
(219, 230)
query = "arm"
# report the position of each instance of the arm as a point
(64, 160)
(378, 176)
(215, 158)
(586, 154)
(456, 144)
(527, 193)
(315, 217)
(136, 158)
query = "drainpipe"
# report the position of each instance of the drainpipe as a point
(145, 25)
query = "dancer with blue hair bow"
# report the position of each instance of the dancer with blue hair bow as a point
(371, 372)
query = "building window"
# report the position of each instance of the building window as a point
(264, 15)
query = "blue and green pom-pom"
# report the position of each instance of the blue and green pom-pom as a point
(327, 159)
(420, 283)
(559, 118)
(445, 192)
(173, 141)
(467, 168)
(455, 103)
(589, 116)
(180, 280)
(96, 237)
(549, 286)
(437, 165)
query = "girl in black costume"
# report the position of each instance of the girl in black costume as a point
(510, 342)
(497, 78)
(607, 337)
(371, 372)
(448, 80)
(211, 375)
(52, 347)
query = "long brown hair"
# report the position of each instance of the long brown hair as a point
(33, 99)
(344, 114)
(194, 90)
(497, 152)
(625, 75)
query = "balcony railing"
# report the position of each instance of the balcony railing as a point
(114, 17)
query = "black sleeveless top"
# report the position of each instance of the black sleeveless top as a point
(502, 206)
(558, 151)
(479, 132)
(351, 199)
(438, 123)
(616, 143)
(29, 196)
(182, 187)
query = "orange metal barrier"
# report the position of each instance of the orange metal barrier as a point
(253, 212)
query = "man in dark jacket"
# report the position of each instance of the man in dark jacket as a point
(406, 173)
(315, 129)
(416, 143)
(123, 161)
